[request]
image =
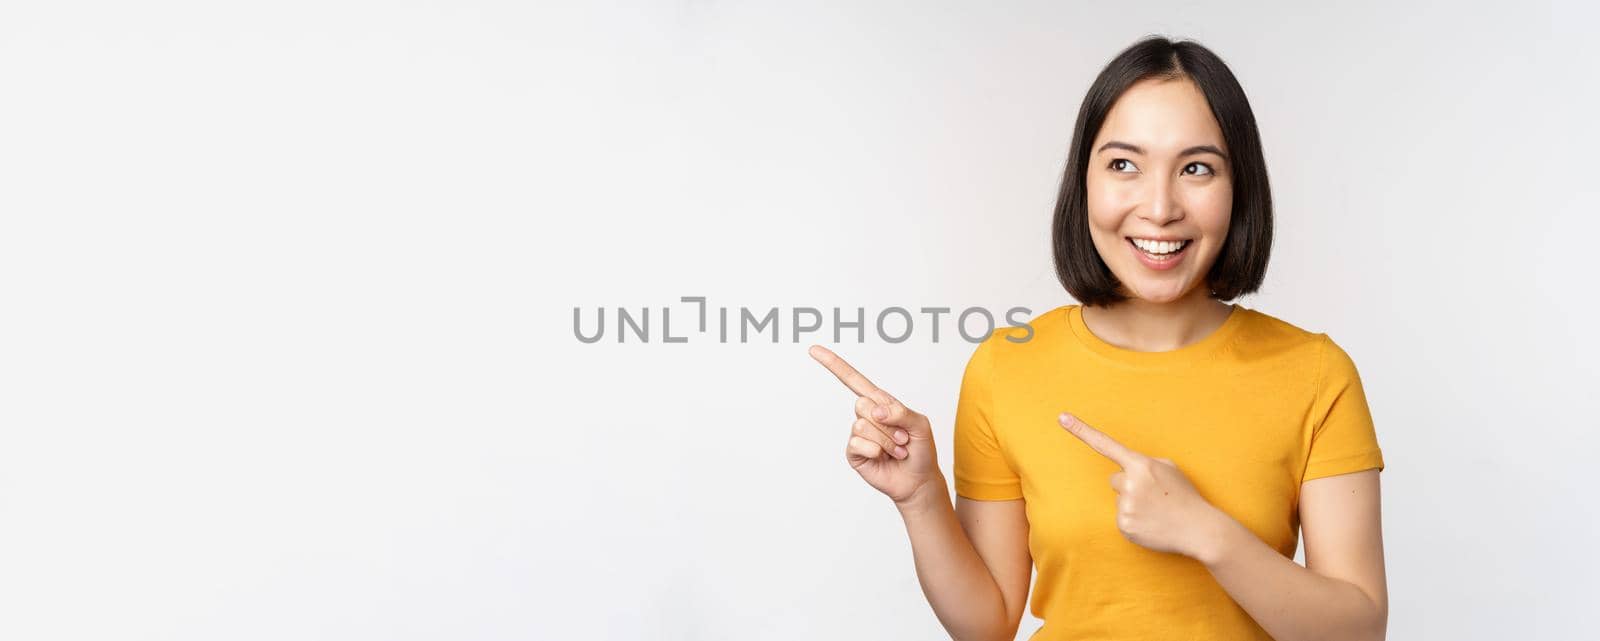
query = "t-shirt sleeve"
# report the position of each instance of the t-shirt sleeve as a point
(1343, 438)
(981, 470)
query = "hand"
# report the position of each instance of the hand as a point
(890, 446)
(1157, 506)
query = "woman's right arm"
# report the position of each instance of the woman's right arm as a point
(974, 566)
(972, 561)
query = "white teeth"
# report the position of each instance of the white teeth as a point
(1159, 246)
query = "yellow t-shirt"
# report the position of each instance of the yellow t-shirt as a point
(1248, 413)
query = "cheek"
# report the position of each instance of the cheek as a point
(1105, 203)
(1211, 209)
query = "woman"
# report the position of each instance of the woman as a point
(1221, 429)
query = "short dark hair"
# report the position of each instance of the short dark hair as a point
(1241, 264)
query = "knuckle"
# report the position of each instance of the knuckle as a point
(869, 431)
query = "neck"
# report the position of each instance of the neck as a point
(1144, 326)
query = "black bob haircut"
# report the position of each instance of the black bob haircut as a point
(1241, 264)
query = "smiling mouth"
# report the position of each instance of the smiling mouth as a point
(1160, 250)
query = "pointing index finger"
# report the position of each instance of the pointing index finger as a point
(1099, 441)
(846, 374)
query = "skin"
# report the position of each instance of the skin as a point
(1156, 193)
(972, 558)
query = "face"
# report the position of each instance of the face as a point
(1159, 190)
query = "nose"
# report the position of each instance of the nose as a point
(1164, 206)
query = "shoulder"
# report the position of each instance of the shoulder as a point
(1266, 335)
(1016, 344)
(1263, 334)
(1013, 342)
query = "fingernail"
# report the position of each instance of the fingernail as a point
(899, 451)
(880, 413)
(900, 437)
(1063, 418)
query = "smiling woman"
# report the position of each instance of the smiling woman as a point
(1155, 452)
(1165, 149)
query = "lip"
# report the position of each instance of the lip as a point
(1159, 265)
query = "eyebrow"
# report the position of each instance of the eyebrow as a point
(1197, 149)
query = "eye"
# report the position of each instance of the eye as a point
(1113, 166)
(1207, 168)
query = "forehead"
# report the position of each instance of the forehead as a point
(1161, 115)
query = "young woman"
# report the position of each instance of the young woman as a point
(1154, 449)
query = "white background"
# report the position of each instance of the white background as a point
(286, 297)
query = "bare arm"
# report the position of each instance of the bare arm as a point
(972, 561)
(1340, 594)
(974, 568)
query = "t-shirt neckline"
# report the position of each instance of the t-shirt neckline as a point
(1188, 354)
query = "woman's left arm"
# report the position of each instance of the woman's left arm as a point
(1341, 592)
(1339, 595)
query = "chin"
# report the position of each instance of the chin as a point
(1159, 294)
(1160, 300)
